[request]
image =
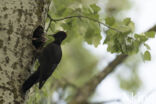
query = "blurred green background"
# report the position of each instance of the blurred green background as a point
(79, 64)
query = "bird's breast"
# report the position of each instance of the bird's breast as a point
(52, 54)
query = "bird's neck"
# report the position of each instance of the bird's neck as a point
(57, 41)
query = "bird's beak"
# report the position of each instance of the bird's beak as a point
(44, 39)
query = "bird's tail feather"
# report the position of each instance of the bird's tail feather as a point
(41, 83)
(33, 79)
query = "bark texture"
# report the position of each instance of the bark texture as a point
(18, 19)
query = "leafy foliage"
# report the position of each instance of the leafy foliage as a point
(84, 22)
(77, 27)
(121, 38)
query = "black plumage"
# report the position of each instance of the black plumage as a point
(38, 37)
(49, 58)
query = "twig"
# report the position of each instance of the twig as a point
(48, 17)
(68, 17)
(49, 23)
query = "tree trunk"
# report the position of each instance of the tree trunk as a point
(18, 19)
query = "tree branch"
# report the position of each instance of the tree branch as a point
(87, 90)
(79, 16)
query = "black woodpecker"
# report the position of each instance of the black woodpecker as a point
(49, 58)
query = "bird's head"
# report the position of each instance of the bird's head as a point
(60, 36)
(39, 32)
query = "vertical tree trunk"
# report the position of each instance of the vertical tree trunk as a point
(18, 19)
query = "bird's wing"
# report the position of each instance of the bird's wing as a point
(44, 75)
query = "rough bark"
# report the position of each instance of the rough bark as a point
(18, 19)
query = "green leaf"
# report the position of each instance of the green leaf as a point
(95, 8)
(150, 34)
(135, 47)
(131, 26)
(140, 37)
(110, 21)
(110, 35)
(124, 29)
(129, 39)
(129, 23)
(126, 21)
(147, 56)
(147, 46)
(93, 35)
(90, 13)
(67, 11)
